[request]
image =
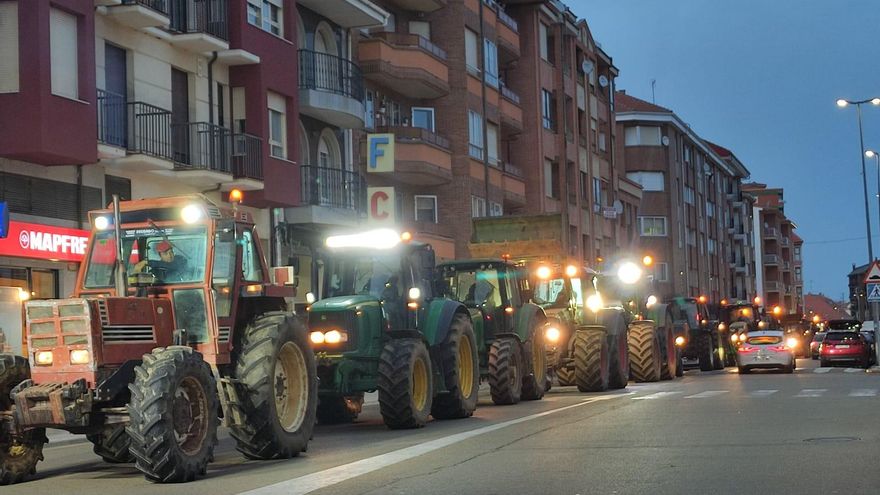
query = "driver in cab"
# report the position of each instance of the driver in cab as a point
(168, 267)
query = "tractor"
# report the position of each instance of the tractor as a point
(382, 324)
(174, 326)
(738, 318)
(705, 340)
(512, 356)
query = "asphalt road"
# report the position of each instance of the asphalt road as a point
(815, 431)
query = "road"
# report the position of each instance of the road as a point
(815, 431)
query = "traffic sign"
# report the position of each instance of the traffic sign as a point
(873, 291)
(873, 273)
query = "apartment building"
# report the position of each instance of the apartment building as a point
(690, 198)
(778, 250)
(139, 98)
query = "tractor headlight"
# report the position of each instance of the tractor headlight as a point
(191, 213)
(629, 273)
(80, 356)
(594, 302)
(43, 358)
(722, 326)
(679, 341)
(652, 300)
(102, 223)
(552, 334)
(415, 293)
(310, 298)
(734, 338)
(792, 342)
(317, 337)
(335, 337)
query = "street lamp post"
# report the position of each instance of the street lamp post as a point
(874, 306)
(874, 101)
(876, 156)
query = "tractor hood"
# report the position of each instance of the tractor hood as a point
(342, 303)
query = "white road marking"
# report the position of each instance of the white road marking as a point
(854, 370)
(812, 392)
(707, 394)
(821, 370)
(658, 395)
(864, 392)
(762, 393)
(328, 477)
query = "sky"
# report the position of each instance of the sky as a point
(761, 78)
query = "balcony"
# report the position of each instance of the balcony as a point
(140, 14)
(247, 163)
(786, 241)
(786, 265)
(350, 13)
(330, 196)
(508, 37)
(331, 89)
(199, 26)
(133, 135)
(771, 259)
(771, 233)
(202, 153)
(511, 111)
(422, 157)
(417, 5)
(772, 286)
(405, 63)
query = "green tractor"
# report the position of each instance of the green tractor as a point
(382, 325)
(512, 356)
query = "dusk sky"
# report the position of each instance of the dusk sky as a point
(761, 78)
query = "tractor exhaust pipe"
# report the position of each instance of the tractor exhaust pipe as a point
(121, 278)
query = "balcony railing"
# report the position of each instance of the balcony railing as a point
(160, 6)
(400, 39)
(325, 72)
(138, 127)
(786, 241)
(513, 170)
(415, 134)
(508, 21)
(771, 232)
(771, 259)
(200, 16)
(508, 94)
(111, 118)
(202, 146)
(247, 156)
(772, 286)
(334, 188)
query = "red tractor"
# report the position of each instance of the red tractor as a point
(174, 327)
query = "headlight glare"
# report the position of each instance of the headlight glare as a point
(44, 358)
(80, 356)
(594, 303)
(317, 337)
(552, 334)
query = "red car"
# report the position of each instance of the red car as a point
(845, 346)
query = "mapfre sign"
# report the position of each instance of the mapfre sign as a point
(31, 240)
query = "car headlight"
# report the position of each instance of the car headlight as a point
(552, 334)
(743, 337)
(43, 358)
(594, 303)
(80, 356)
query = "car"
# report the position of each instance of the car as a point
(765, 349)
(842, 346)
(816, 344)
(848, 324)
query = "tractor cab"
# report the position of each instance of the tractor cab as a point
(490, 288)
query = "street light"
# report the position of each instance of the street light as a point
(873, 154)
(842, 103)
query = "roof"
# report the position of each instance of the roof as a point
(730, 157)
(796, 238)
(824, 306)
(626, 103)
(721, 150)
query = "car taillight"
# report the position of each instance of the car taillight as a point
(779, 348)
(747, 349)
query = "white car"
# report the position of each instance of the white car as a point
(767, 349)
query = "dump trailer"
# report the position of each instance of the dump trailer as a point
(593, 340)
(175, 322)
(512, 356)
(383, 325)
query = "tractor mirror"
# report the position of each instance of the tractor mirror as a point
(226, 232)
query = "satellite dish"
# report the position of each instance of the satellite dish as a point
(587, 66)
(618, 206)
(665, 140)
(707, 169)
(603, 81)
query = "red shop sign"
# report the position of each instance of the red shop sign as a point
(31, 240)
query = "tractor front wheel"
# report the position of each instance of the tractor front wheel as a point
(565, 376)
(505, 371)
(19, 454)
(644, 351)
(461, 372)
(535, 377)
(406, 388)
(112, 445)
(591, 360)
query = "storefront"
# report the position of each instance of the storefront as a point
(42, 260)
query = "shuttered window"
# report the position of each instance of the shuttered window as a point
(63, 43)
(470, 51)
(47, 198)
(277, 126)
(8, 47)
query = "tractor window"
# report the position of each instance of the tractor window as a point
(223, 274)
(251, 268)
(578, 292)
(552, 293)
(377, 275)
(190, 314)
(476, 288)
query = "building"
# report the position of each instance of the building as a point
(859, 308)
(139, 98)
(691, 198)
(778, 250)
(824, 307)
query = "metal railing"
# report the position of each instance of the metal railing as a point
(774, 286)
(415, 134)
(771, 259)
(333, 187)
(508, 21)
(508, 94)
(771, 232)
(513, 170)
(200, 16)
(786, 241)
(401, 39)
(325, 72)
(160, 6)
(111, 109)
(247, 156)
(138, 127)
(202, 146)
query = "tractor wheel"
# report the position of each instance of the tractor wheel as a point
(535, 375)
(335, 409)
(505, 371)
(174, 413)
(707, 352)
(565, 376)
(616, 327)
(591, 360)
(277, 370)
(19, 455)
(666, 332)
(719, 353)
(405, 384)
(112, 445)
(644, 352)
(461, 372)
(679, 365)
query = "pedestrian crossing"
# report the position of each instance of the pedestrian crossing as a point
(816, 371)
(805, 393)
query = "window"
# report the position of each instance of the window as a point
(426, 209)
(797, 253)
(548, 110)
(421, 28)
(652, 226)
(495, 209)
(277, 126)
(687, 154)
(602, 145)
(650, 181)
(585, 187)
(423, 117)
(369, 111)
(116, 185)
(689, 195)
(551, 179)
(470, 51)
(390, 25)
(475, 133)
(266, 15)
(642, 136)
(490, 62)
(710, 210)
(395, 114)
(711, 246)
(251, 268)
(691, 237)
(478, 207)
(63, 48)
(597, 192)
(492, 136)
(542, 37)
(8, 47)
(661, 272)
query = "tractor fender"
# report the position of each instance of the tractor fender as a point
(526, 319)
(439, 318)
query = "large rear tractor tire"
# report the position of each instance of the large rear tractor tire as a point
(591, 359)
(535, 375)
(461, 372)
(644, 351)
(174, 413)
(406, 389)
(505, 371)
(112, 444)
(707, 352)
(276, 368)
(336, 409)
(666, 333)
(616, 327)
(719, 353)
(20, 454)
(565, 376)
